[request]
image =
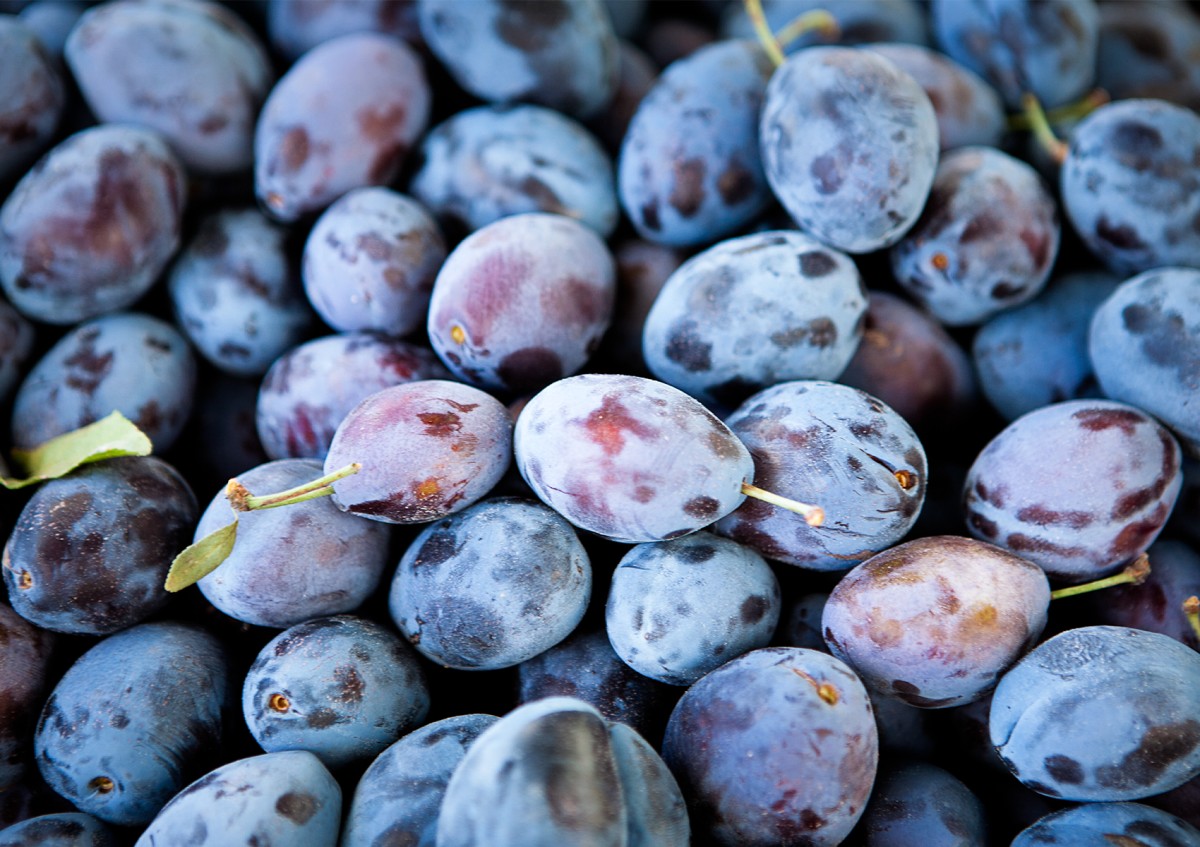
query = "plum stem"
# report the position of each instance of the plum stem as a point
(1042, 131)
(824, 690)
(817, 20)
(813, 515)
(763, 30)
(1191, 610)
(1134, 574)
(1094, 99)
(242, 500)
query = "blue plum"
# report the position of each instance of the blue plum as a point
(291, 565)
(130, 362)
(679, 609)
(1145, 50)
(1101, 713)
(24, 672)
(499, 583)
(52, 21)
(489, 162)
(17, 337)
(286, 799)
(399, 797)
(934, 622)
(32, 94)
(296, 26)
(1079, 487)
(63, 829)
(778, 746)
(836, 446)
(1156, 604)
(918, 803)
(754, 311)
(853, 173)
(132, 719)
(1144, 344)
(92, 225)
(1109, 823)
(89, 552)
(342, 687)
(236, 294)
(689, 171)
(370, 261)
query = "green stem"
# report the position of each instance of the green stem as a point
(1063, 114)
(818, 20)
(1042, 131)
(813, 515)
(1134, 574)
(242, 500)
(1191, 609)
(763, 30)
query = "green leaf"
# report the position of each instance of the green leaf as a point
(107, 438)
(201, 558)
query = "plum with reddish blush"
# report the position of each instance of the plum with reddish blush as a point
(428, 449)
(628, 458)
(934, 622)
(1080, 487)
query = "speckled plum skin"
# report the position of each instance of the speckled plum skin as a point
(490, 162)
(1036, 354)
(237, 295)
(140, 710)
(399, 797)
(969, 111)
(90, 227)
(838, 448)
(754, 311)
(499, 583)
(23, 677)
(343, 687)
(555, 772)
(1109, 823)
(370, 260)
(310, 389)
(344, 116)
(90, 551)
(1144, 343)
(16, 347)
(428, 449)
(129, 362)
(936, 621)
(918, 803)
(522, 302)
(1079, 487)
(1131, 185)
(137, 62)
(295, 26)
(291, 565)
(1047, 47)
(689, 170)
(558, 53)
(32, 94)
(986, 240)
(679, 609)
(629, 458)
(286, 799)
(1156, 605)
(61, 829)
(855, 179)
(814, 761)
(1101, 713)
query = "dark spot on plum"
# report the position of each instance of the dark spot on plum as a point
(119, 720)
(1098, 420)
(753, 609)
(816, 263)
(827, 174)
(1042, 516)
(686, 348)
(527, 25)
(530, 368)
(350, 682)
(293, 149)
(687, 194)
(321, 718)
(1020, 543)
(735, 183)
(703, 508)
(980, 226)
(563, 740)
(608, 425)
(1038, 245)
(1005, 289)
(1121, 236)
(1135, 537)
(542, 195)
(696, 554)
(678, 533)
(440, 424)
(822, 333)
(1064, 769)
(297, 807)
(650, 217)
(1136, 144)
(1156, 832)
(1160, 747)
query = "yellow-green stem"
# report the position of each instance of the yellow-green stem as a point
(242, 500)
(1054, 146)
(813, 515)
(818, 20)
(763, 30)
(1070, 112)
(1191, 609)
(1134, 574)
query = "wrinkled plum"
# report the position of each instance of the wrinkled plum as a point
(629, 458)
(679, 609)
(236, 294)
(554, 772)
(63, 829)
(310, 389)
(428, 449)
(853, 178)
(522, 302)
(285, 799)
(934, 622)
(778, 746)
(399, 797)
(499, 583)
(296, 26)
(829, 444)
(32, 94)
(490, 162)
(1079, 487)
(23, 677)
(138, 62)
(90, 551)
(922, 804)
(344, 116)
(752, 312)
(92, 225)
(129, 362)
(291, 565)
(132, 719)
(344, 688)
(370, 261)
(1101, 713)
(1109, 823)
